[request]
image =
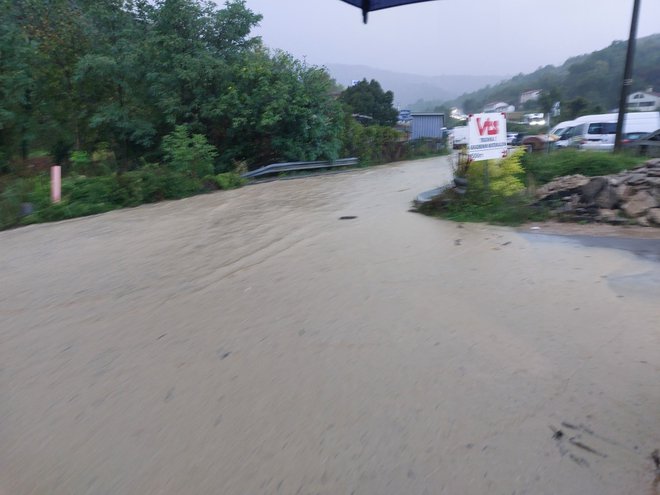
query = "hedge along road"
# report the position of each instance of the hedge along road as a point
(250, 342)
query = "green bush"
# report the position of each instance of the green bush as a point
(372, 144)
(39, 194)
(10, 203)
(65, 210)
(91, 195)
(80, 162)
(127, 190)
(152, 184)
(90, 190)
(190, 154)
(422, 148)
(230, 180)
(504, 176)
(500, 200)
(543, 167)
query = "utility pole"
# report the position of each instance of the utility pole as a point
(627, 75)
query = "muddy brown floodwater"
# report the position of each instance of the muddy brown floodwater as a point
(252, 342)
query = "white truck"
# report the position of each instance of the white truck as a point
(460, 136)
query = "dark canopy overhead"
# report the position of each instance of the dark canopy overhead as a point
(369, 5)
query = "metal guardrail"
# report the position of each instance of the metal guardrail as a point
(275, 168)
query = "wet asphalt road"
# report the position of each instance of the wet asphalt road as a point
(251, 342)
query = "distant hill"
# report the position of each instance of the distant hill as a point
(409, 88)
(595, 77)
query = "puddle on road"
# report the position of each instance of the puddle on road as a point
(646, 283)
(648, 249)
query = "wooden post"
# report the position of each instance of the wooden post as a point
(627, 76)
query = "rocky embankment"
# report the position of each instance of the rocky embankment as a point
(629, 197)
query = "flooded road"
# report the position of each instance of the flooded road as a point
(251, 342)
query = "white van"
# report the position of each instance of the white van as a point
(560, 134)
(599, 131)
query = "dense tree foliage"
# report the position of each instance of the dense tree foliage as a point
(144, 100)
(83, 75)
(369, 100)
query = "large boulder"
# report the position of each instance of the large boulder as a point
(600, 192)
(561, 187)
(591, 189)
(624, 192)
(637, 179)
(607, 197)
(653, 215)
(610, 216)
(638, 204)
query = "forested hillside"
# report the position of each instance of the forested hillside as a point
(594, 80)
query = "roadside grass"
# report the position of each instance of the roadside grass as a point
(511, 212)
(26, 200)
(82, 196)
(543, 167)
(485, 203)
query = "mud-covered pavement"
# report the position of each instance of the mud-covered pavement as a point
(251, 342)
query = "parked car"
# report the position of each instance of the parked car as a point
(517, 141)
(629, 137)
(647, 145)
(538, 142)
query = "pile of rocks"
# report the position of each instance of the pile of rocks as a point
(629, 197)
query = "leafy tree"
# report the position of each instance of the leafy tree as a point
(276, 108)
(116, 101)
(368, 98)
(55, 30)
(16, 86)
(80, 75)
(188, 153)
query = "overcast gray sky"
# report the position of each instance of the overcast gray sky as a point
(500, 37)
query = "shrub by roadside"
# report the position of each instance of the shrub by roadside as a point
(509, 197)
(83, 196)
(495, 193)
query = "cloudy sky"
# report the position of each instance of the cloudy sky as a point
(475, 37)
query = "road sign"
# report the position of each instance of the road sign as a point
(486, 136)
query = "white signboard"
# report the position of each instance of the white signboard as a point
(486, 136)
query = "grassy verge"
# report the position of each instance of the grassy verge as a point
(543, 167)
(497, 211)
(83, 196)
(507, 198)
